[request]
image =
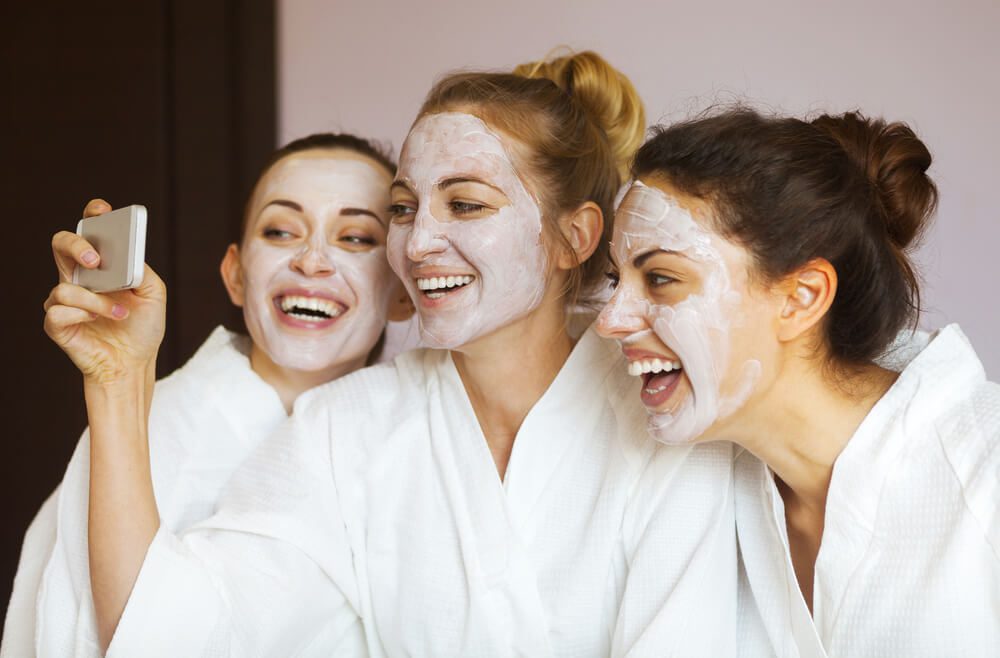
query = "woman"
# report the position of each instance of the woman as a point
(311, 276)
(469, 500)
(762, 277)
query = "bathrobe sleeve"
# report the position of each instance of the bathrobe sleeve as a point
(205, 420)
(19, 626)
(271, 574)
(679, 538)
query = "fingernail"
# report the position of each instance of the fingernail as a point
(89, 257)
(119, 311)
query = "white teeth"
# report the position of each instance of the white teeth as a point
(645, 366)
(439, 282)
(294, 305)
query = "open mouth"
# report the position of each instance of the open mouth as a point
(309, 309)
(659, 378)
(436, 287)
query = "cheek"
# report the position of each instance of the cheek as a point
(369, 276)
(260, 264)
(395, 246)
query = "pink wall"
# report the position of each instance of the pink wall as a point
(364, 67)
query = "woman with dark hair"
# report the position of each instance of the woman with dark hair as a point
(762, 278)
(309, 271)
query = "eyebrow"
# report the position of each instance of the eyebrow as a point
(354, 212)
(448, 182)
(286, 203)
(348, 212)
(642, 258)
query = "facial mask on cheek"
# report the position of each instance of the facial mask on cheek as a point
(503, 252)
(698, 330)
(353, 287)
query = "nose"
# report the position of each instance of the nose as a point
(622, 316)
(313, 261)
(426, 238)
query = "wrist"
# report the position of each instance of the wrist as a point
(128, 385)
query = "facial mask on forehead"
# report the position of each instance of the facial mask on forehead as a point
(467, 276)
(698, 329)
(284, 308)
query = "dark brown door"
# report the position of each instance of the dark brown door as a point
(165, 103)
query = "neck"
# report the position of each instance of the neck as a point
(508, 371)
(803, 424)
(288, 383)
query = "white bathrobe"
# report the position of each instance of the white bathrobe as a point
(909, 563)
(375, 523)
(205, 419)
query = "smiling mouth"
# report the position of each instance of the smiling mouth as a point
(659, 378)
(436, 287)
(309, 309)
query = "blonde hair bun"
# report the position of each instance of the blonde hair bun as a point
(604, 92)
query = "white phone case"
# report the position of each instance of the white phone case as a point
(119, 237)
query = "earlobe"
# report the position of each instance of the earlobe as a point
(232, 275)
(401, 307)
(806, 297)
(583, 229)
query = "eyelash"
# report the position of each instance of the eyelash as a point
(465, 207)
(358, 240)
(656, 280)
(277, 233)
(652, 279)
(398, 210)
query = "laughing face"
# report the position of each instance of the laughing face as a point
(312, 277)
(680, 310)
(466, 235)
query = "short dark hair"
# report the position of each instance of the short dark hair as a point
(846, 188)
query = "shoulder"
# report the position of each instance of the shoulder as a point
(223, 355)
(970, 441)
(379, 392)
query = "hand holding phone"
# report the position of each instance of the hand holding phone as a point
(113, 335)
(119, 237)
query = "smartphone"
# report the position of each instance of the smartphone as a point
(119, 237)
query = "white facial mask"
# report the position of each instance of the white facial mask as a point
(313, 272)
(502, 252)
(698, 329)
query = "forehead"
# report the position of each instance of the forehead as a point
(327, 175)
(319, 166)
(651, 217)
(454, 140)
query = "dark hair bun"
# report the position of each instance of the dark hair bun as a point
(851, 190)
(896, 162)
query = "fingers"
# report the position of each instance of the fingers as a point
(59, 318)
(96, 207)
(78, 297)
(152, 286)
(70, 250)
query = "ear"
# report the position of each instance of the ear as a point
(806, 295)
(400, 305)
(582, 230)
(232, 275)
